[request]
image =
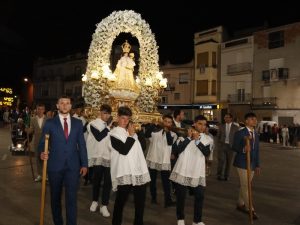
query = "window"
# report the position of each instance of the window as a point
(59, 71)
(202, 87)
(69, 91)
(183, 78)
(51, 72)
(241, 95)
(276, 39)
(44, 92)
(283, 73)
(213, 87)
(164, 99)
(266, 75)
(78, 90)
(176, 96)
(77, 72)
(202, 59)
(214, 60)
(42, 73)
(202, 69)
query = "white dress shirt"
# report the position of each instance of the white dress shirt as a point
(61, 118)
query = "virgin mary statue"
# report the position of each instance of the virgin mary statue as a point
(124, 70)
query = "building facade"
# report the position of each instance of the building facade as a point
(236, 76)
(179, 92)
(55, 77)
(276, 77)
(207, 72)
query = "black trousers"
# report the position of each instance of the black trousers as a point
(165, 174)
(89, 176)
(99, 173)
(198, 202)
(225, 154)
(123, 191)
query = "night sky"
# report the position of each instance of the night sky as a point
(52, 29)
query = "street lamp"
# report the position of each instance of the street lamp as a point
(28, 91)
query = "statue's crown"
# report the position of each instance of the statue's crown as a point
(126, 47)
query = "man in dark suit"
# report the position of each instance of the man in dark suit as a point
(225, 152)
(240, 159)
(66, 161)
(178, 117)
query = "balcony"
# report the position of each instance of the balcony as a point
(170, 87)
(239, 99)
(239, 68)
(264, 103)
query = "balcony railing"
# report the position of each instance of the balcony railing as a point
(239, 68)
(239, 99)
(269, 102)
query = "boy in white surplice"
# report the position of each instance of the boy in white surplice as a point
(128, 167)
(159, 157)
(99, 158)
(189, 170)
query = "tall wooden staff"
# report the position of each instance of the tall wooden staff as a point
(44, 181)
(29, 155)
(248, 147)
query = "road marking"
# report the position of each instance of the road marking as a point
(4, 157)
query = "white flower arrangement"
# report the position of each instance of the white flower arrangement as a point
(95, 88)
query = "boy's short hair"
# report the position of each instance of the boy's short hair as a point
(105, 108)
(124, 111)
(200, 117)
(249, 115)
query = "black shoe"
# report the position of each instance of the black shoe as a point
(225, 179)
(219, 178)
(254, 215)
(242, 208)
(170, 204)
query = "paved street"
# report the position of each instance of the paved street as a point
(276, 194)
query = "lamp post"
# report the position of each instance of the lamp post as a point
(28, 91)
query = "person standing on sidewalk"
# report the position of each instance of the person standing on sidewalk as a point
(225, 152)
(67, 159)
(240, 160)
(36, 127)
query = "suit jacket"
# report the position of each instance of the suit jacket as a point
(179, 132)
(222, 133)
(238, 147)
(69, 152)
(37, 132)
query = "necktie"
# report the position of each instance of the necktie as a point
(66, 130)
(252, 138)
